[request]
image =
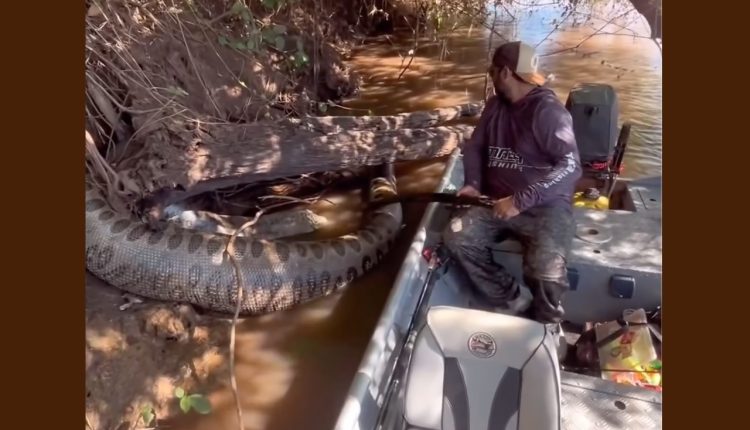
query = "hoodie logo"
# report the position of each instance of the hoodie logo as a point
(504, 158)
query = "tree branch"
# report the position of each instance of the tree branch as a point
(484, 24)
(598, 32)
(557, 26)
(489, 50)
(413, 50)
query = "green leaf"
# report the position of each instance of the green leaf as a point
(250, 44)
(280, 43)
(281, 29)
(240, 45)
(185, 404)
(223, 41)
(271, 4)
(179, 392)
(301, 59)
(246, 15)
(322, 107)
(147, 414)
(268, 34)
(200, 404)
(238, 7)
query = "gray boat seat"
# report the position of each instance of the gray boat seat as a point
(477, 370)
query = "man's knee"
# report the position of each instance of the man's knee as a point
(546, 265)
(556, 231)
(455, 234)
(470, 227)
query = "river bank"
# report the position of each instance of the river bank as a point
(293, 368)
(149, 68)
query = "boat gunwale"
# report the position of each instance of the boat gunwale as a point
(395, 305)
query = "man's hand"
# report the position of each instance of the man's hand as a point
(468, 191)
(505, 208)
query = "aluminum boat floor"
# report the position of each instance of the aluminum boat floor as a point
(594, 403)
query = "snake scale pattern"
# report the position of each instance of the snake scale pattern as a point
(190, 266)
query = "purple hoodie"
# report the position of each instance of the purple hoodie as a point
(526, 149)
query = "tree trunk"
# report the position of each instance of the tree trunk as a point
(231, 154)
(651, 10)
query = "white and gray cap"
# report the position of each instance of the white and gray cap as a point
(521, 59)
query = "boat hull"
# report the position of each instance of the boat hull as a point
(624, 273)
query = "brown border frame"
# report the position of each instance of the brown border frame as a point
(44, 225)
(704, 164)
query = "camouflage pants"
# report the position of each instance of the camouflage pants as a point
(546, 235)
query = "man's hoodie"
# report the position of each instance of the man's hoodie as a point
(526, 150)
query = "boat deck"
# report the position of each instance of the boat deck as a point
(625, 247)
(594, 403)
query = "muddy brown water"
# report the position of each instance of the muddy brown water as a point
(294, 368)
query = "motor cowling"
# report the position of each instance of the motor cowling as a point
(594, 108)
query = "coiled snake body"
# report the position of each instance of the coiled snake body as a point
(191, 267)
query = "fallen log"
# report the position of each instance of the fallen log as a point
(219, 159)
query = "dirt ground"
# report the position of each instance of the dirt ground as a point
(138, 356)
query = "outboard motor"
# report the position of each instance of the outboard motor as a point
(594, 108)
(477, 370)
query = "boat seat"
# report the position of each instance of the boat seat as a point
(477, 370)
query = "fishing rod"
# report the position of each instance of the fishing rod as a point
(447, 198)
(400, 368)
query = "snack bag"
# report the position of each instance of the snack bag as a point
(628, 351)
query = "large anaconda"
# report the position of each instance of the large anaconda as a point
(190, 266)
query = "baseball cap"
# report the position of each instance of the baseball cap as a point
(521, 59)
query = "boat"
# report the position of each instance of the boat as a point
(439, 358)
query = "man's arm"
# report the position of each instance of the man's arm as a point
(474, 149)
(553, 129)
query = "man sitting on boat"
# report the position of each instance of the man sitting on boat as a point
(523, 152)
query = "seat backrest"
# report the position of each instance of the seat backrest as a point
(476, 370)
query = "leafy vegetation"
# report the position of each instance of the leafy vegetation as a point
(197, 402)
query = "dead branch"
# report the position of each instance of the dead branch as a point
(585, 39)
(489, 50)
(556, 27)
(512, 17)
(229, 250)
(413, 50)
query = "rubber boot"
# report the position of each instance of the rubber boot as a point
(518, 305)
(546, 305)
